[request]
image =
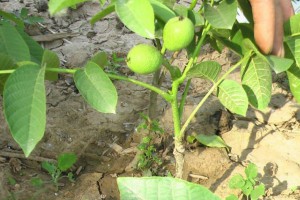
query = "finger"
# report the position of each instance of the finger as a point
(287, 9)
(264, 23)
(278, 48)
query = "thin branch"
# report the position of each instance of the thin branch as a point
(22, 156)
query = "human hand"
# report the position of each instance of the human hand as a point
(268, 17)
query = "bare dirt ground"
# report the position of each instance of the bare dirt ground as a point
(106, 144)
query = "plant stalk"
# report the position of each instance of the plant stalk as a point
(195, 54)
(175, 112)
(59, 70)
(245, 58)
(178, 139)
(183, 98)
(164, 94)
(8, 71)
(193, 4)
(152, 110)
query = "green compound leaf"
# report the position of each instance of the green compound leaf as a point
(36, 51)
(257, 82)
(222, 16)
(12, 43)
(216, 43)
(294, 81)
(292, 39)
(12, 17)
(138, 16)
(162, 188)
(24, 102)
(237, 182)
(57, 5)
(211, 141)
(100, 58)
(292, 26)
(245, 6)
(169, 3)
(162, 11)
(190, 139)
(248, 45)
(196, 18)
(251, 171)
(232, 197)
(96, 88)
(6, 63)
(174, 71)
(66, 160)
(49, 167)
(279, 64)
(36, 182)
(232, 95)
(207, 69)
(242, 40)
(247, 188)
(109, 9)
(294, 46)
(180, 10)
(258, 191)
(50, 60)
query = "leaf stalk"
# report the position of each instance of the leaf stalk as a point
(245, 58)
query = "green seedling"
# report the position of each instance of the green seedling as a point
(152, 126)
(27, 18)
(20, 18)
(249, 185)
(64, 162)
(114, 64)
(37, 182)
(294, 189)
(148, 155)
(12, 181)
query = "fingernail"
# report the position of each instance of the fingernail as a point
(279, 52)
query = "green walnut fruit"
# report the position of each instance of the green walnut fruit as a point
(178, 33)
(144, 59)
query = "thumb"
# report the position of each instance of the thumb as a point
(264, 23)
(278, 48)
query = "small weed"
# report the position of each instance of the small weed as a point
(37, 182)
(20, 18)
(150, 125)
(293, 189)
(114, 64)
(64, 162)
(12, 181)
(148, 156)
(249, 185)
(27, 18)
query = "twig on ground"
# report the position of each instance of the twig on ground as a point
(198, 176)
(22, 156)
(53, 32)
(53, 36)
(168, 149)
